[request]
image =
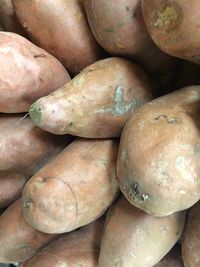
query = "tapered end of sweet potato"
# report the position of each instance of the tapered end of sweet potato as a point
(35, 113)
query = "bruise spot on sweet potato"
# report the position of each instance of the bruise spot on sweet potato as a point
(28, 203)
(136, 194)
(121, 107)
(167, 16)
(168, 120)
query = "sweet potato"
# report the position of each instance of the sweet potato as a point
(73, 189)
(61, 28)
(191, 238)
(158, 163)
(172, 259)
(97, 102)
(11, 185)
(8, 18)
(79, 248)
(119, 28)
(24, 147)
(134, 238)
(18, 240)
(174, 27)
(27, 73)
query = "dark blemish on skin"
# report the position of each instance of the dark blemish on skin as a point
(170, 121)
(135, 194)
(70, 124)
(40, 55)
(127, 8)
(28, 203)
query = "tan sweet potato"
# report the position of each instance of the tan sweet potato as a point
(119, 28)
(8, 18)
(61, 28)
(24, 147)
(18, 240)
(27, 73)
(172, 259)
(11, 185)
(79, 248)
(158, 162)
(97, 102)
(134, 238)
(174, 27)
(191, 238)
(73, 189)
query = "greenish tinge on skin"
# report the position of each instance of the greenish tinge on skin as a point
(121, 107)
(35, 113)
(116, 27)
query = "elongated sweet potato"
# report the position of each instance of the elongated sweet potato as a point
(18, 240)
(97, 102)
(8, 18)
(119, 28)
(27, 73)
(134, 238)
(11, 185)
(24, 147)
(61, 28)
(191, 238)
(172, 259)
(79, 248)
(73, 189)
(174, 27)
(158, 162)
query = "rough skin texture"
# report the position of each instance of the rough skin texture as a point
(97, 102)
(61, 28)
(77, 249)
(27, 73)
(11, 185)
(8, 18)
(191, 238)
(18, 240)
(134, 238)
(24, 147)
(174, 26)
(158, 161)
(73, 189)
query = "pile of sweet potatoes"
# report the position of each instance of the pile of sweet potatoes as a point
(100, 133)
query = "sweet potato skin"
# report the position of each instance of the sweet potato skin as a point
(8, 18)
(18, 240)
(134, 238)
(159, 152)
(191, 238)
(63, 195)
(78, 248)
(27, 73)
(61, 28)
(173, 27)
(119, 28)
(24, 147)
(97, 102)
(11, 185)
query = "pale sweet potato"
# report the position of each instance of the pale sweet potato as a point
(158, 163)
(11, 185)
(174, 27)
(191, 238)
(97, 102)
(8, 18)
(134, 238)
(73, 189)
(18, 240)
(24, 147)
(27, 73)
(79, 248)
(61, 28)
